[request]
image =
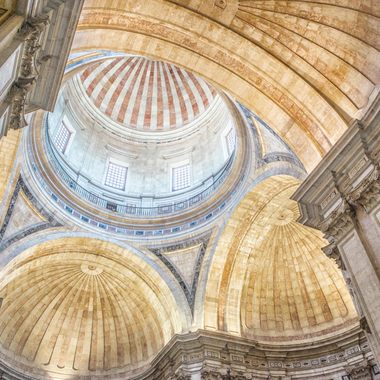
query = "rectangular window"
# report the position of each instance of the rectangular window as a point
(231, 141)
(116, 176)
(62, 138)
(180, 177)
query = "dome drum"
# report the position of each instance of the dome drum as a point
(159, 182)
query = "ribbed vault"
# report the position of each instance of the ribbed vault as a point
(269, 279)
(84, 307)
(306, 68)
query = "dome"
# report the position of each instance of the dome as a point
(148, 95)
(276, 284)
(103, 141)
(83, 307)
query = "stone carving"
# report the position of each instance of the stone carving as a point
(361, 371)
(211, 373)
(332, 251)
(181, 375)
(367, 194)
(221, 4)
(339, 222)
(31, 32)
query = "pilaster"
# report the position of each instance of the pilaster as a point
(341, 197)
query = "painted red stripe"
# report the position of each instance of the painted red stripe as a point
(136, 107)
(120, 86)
(192, 97)
(127, 97)
(182, 105)
(148, 103)
(108, 85)
(91, 87)
(160, 104)
(169, 95)
(205, 98)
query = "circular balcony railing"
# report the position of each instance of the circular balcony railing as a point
(130, 209)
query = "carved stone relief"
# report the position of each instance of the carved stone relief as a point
(31, 33)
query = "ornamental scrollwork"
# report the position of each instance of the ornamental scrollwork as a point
(339, 222)
(30, 32)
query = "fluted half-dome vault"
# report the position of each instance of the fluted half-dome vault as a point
(273, 282)
(80, 306)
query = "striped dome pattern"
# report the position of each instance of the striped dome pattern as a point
(146, 95)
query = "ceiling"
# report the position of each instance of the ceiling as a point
(269, 280)
(146, 95)
(306, 68)
(76, 305)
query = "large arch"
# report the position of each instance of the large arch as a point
(306, 87)
(269, 279)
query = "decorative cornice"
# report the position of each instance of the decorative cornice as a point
(220, 357)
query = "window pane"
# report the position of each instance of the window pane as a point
(116, 176)
(62, 138)
(181, 177)
(231, 141)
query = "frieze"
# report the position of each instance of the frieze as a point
(329, 198)
(212, 354)
(352, 173)
(213, 364)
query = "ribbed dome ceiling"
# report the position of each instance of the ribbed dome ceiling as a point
(146, 95)
(83, 307)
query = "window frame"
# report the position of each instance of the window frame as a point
(227, 141)
(72, 132)
(178, 165)
(115, 162)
